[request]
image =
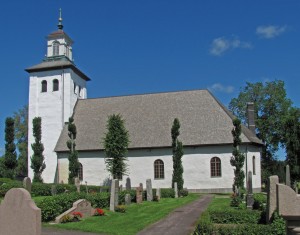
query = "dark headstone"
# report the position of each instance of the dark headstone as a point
(128, 184)
(249, 198)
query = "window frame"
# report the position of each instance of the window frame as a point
(55, 47)
(55, 84)
(80, 172)
(159, 169)
(253, 165)
(215, 167)
(44, 87)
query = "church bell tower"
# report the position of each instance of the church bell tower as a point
(55, 85)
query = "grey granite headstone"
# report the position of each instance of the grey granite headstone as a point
(287, 176)
(114, 195)
(272, 197)
(176, 189)
(128, 184)
(250, 199)
(121, 188)
(86, 187)
(77, 184)
(139, 193)
(19, 215)
(158, 194)
(127, 199)
(149, 190)
(27, 184)
(53, 190)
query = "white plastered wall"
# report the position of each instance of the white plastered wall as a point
(196, 164)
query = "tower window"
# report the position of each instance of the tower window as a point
(55, 85)
(55, 48)
(215, 167)
(253, 164)
(80, 172)
(44, 86)
(159, 172)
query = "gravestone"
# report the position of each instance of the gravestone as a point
(83, 206)
(287, 176)
(121, 188)
(19, 215)
(149, 190)
(27, 184)
(176, 189)
(139, 193)
(77, 184)
(128, 184)
(114, 195)
(250, 199)
(127, 199)
(86, 187)
(53, 190)
(272, 197)
(158, 194)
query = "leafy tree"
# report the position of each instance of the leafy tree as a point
(116, 142)
(177, 149)
(271, 105)
(292, 141)
(2, 168)
(238, 159)
(37, 160)
(73, 154)
(21, 136)
(10, 157)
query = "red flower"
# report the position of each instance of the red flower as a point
(99, 212)
(77, 214)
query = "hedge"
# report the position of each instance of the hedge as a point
(235, 216)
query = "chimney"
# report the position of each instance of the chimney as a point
(251, 117)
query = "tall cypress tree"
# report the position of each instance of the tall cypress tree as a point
(73, 154)
(177, 149)
(10, 157)
(237, 160)
(37, 160)
(116, 142)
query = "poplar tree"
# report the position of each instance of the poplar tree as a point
(116, 142)
(237, 160)
(177, 150)
(37, 160)
(73, 154)
(10, 157)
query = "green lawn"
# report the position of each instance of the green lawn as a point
(137, 217)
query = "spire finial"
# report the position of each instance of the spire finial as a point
(60, 25)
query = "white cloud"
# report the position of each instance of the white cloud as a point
(270, 31)
(218, 87)
(220, 45)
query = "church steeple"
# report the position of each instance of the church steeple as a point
(59, 44)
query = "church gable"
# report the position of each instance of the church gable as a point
(148, 118)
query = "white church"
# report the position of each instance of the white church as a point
(58, 90)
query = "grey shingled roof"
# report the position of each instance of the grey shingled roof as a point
(56, 64)
(149, 118)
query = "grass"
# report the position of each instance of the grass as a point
(137, 217)
(220, 204)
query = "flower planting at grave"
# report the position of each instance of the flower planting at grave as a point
(120, 208)
(99, 212)
(77, 215)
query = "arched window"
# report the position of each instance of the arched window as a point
(215, 167)
(44, 86)
(55, 85)
(80, 172)
(159, 172)
(253, 165)
(74, 88)
(55, 48)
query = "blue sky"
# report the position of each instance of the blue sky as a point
(132, 47)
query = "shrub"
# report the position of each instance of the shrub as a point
(235, 216)
(183, 192)
(260, 201)
(120, 208)
(236, 200)
(167, 193)
(278, 224)
(9, 185)
(122, 194)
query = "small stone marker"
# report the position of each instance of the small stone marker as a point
(121, 188)
(86, 187)
(53, 190)
(287, 176)
(83, 206)
(250, 199)
(158, 194)
(176, 189)
(128, 184)
(19, 215)
(77, 184)
(139, 193)
(149, 190)
(27, 184)
(114, 195)
(127, 199)
(272, 197)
